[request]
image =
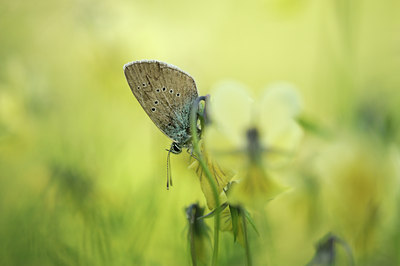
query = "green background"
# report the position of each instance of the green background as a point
(83, 169)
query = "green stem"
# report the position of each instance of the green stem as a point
(200, 158)
(192, 247)
(246, 238)
(193, 251)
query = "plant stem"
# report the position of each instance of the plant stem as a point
(192, 247)
(246, 237)
(200, 158)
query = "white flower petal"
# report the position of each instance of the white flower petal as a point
(278, 106)
(231, 110)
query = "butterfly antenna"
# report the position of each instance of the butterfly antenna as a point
(169, 178)
(170, 173)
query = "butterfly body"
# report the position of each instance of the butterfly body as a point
(166, 94)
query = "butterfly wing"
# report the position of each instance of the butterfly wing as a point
(166, 94)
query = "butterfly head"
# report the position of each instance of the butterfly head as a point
(175, 148)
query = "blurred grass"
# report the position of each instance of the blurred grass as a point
(82, 168)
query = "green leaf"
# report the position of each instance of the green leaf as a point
(235, 221)
(214, 212)
(247, 214)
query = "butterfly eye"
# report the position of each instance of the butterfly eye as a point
(157, 90)
(153, 109)
(178, 94)
(144, 84)
(171, 91)
(163, 89)
(175, 148)
(155, 102)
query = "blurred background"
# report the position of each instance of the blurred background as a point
(83, 169)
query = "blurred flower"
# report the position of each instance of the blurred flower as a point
(232, 218)
(256, 187)
(221, 177)
(325, 254)
(198, 234)
(243, 133)
(359, 186)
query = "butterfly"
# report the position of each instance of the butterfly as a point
(166, 94)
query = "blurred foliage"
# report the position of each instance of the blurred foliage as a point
(82, 168)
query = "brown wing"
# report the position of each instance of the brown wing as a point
(166, 93)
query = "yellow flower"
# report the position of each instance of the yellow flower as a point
(221, 176)
(359, 189)
(198, 235)
(244, 132)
